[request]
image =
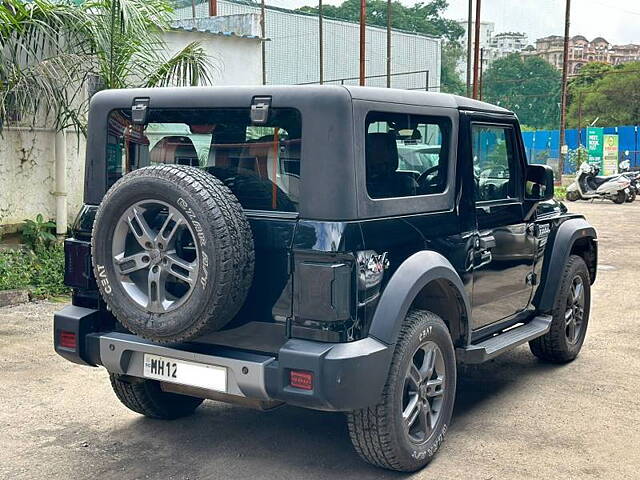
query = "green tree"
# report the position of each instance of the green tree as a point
(36, 67)
(529, 86)
(422, 17)
(129, 51)
(51, 47)
(588, 75)
(613, 98)
(450, 81)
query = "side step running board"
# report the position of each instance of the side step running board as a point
(505, 341)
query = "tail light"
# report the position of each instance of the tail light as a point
(323, 299)
(67, 340)
(301, 379)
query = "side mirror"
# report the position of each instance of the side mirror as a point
(539, 183)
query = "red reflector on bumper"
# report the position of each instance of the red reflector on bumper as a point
(301, 379)
(67, 340)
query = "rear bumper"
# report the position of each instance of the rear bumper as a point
(346, 376)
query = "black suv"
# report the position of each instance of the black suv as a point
(335, 248)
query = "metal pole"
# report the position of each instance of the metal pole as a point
(263, 33)
(388, 43)
(426, 74)
(469, 43)
(476, 50)
(363, 26)
(580, 118)
(563, 94)
(213, 8)
(321, 43)
(193, 8)
(481, 71)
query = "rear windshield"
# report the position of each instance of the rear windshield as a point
(260, 164)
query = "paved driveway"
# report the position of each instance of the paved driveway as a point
(515, 417)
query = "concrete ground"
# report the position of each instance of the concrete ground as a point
(515, 417)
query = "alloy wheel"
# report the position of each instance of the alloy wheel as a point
(155, 257)
(574, 313)
(424, 389)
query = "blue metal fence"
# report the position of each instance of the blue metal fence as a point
(543, 145)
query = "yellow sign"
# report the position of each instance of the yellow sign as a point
(610, 155)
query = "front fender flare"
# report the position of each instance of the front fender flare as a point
(556, 255)
(409, 279)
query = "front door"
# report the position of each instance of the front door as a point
(505, 243)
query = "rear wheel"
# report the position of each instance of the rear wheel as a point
(572, 196)
(570, 316)
(619, 197)
(405, 429)
(147, 398)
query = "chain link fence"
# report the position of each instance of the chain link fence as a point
(292, 50)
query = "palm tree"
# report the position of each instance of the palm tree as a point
(40, 52)
(49, 49)
(126, 38)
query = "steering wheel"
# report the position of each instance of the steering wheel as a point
(421, 180)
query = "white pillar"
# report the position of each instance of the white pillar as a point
(61, 182)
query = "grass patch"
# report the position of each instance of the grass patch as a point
(40, 271)
(560, 193)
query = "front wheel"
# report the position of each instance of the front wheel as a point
(405, 429)
(631, 196)
(570, 316)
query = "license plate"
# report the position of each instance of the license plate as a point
(211, 377)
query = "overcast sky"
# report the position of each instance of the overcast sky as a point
(616, 20)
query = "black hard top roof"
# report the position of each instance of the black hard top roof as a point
(389, 95)
(416, 97)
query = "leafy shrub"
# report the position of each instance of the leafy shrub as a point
(16, 269)
(48, 274)
(42, 271)
(560, 193)
(38, 233)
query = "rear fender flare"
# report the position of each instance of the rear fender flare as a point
(406, 283)
(556, 255)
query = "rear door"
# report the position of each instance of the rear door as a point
(261, 166)
(505, 244)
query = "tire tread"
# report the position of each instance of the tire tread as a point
(371, 428)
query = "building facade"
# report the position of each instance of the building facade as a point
(506, 43)
(583, 51)
(486, 34)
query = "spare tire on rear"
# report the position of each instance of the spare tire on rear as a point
(172, 253)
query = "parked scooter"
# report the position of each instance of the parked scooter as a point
(589, 185)
(634, 177)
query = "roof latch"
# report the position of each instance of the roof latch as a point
(139, 111)
(260, 110)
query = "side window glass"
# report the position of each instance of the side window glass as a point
(406, 155)
(494, 163)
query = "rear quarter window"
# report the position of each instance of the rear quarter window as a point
(406, 155)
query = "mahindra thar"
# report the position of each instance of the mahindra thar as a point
(331, 247)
